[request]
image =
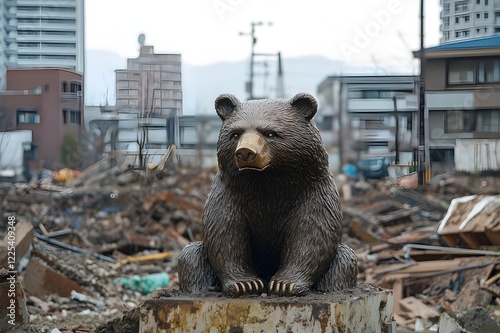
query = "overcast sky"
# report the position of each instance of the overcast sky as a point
(207, 31)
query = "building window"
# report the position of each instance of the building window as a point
(28, 44)
(56, 21)
(74, 87)
(371, 94)
(478, 2)
(58, 33)
(479, 70)
(457, 19)
(64, 86)
(467, 18)
(461, 6)
(27, 56)
(59, 45)
(446, 35)
(58, 57)
(489, 70)
(486, 15)
(486, 2)
(478, 15)
(462, 33)
(461, 72)
(443, 156)
(71, 117)
(460, 121)
(75, 117)
(27, 117)
(488, 121)
(446, 8)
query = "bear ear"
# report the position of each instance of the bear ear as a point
(306, 104)
(225, 104)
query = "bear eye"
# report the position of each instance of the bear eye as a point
(271, 134)
(235, 136)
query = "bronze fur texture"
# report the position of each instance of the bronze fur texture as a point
(272, 222)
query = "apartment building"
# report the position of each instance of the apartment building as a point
(469, 18)
(49, 103)
(41, 33)
(463, 104)
(368, 115)
(151, 86)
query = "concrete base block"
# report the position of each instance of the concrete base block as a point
(362, 309)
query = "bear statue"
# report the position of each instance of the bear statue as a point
(272, 222)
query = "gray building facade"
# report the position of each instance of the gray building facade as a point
(41, 33)
(368, 115)
(469, 18)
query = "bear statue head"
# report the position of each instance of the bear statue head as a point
(265, 134)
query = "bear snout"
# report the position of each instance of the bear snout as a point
(252, 152)
(246, 154)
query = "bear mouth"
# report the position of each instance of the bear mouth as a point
(252, 168)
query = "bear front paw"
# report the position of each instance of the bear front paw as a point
(254, 287)
(282, 288)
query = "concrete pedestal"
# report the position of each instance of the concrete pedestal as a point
(363, 309)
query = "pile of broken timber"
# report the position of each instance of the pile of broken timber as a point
(438, 252)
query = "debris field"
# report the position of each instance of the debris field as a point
(91, 248)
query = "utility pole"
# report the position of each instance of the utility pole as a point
(252, 55)
(249, 84)
(396, 136)
(280, 89)
(421, 115)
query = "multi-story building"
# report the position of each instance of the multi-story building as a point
(469, 18)
(148, 105)
(151, 86)
(49, 103)
(463, 104)
(367, 115)
(41, 33)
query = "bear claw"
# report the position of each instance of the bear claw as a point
(281, 288)
(248, 288)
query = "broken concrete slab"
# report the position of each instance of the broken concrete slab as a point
(449, 324)
(362, 309)
(476, 319)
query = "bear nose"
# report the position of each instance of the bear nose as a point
(246, 154)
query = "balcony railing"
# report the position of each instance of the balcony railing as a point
(71, 95)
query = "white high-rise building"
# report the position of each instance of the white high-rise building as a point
(41, 33)
(469, 18)
(151, 86)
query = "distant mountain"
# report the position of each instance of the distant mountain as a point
(301, 74)
(203, 83)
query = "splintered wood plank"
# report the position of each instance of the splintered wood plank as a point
(397, 287)
(417, 308)
(362, 232)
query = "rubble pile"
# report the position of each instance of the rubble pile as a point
(91, 248)
(437, 248)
